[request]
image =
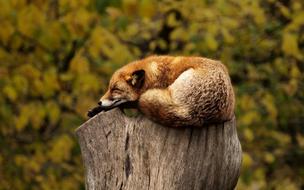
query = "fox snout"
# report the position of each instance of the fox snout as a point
(106, 103)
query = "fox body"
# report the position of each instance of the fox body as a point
(174, 91)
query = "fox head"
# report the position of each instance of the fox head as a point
(124, 87)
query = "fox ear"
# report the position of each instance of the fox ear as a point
(137, 79)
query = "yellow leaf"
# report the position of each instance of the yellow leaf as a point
(248, 134)
(269, 158)
(29, 71)
(147, 8)
(61, 149)
(78, 22)
(171, 20)
(257, 12)
(284, 10)
(67, 4)
(21, 84)
(228, 37)
(30, 19)
(69, 184)
(53, 112)
(79, 65)
(268, 102)
(179, 34)
(281, 66)
(130, 7)
(247, 102)
(247, 161)
(37, 115)
(259, 174)
(66, 99)
(291, 87)
(105, 43)
(211, 42)
(10, 92)
(249, 118)
(6, 33)
(282, 138)
(294, 71)
(162, 43)
(50, 82)
(286, 184)
(5, 8)
(113, 12)
(300, 139)
(51, 35)
(38, 87)
(290, 45)
(33, 165)
(20, 159)
(132, 29)
(23, 118)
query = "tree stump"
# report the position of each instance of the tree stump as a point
(125, 153)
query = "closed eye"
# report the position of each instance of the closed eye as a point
(115, 90)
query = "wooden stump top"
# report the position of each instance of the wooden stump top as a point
(136, 154)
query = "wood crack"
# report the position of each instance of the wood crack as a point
(190, 139)
(128, 166)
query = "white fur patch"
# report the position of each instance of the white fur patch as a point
(186, 75)
(182, 85)
(106, 103)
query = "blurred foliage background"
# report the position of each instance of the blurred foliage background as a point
(56, 57)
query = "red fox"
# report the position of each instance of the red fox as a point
(173, 91)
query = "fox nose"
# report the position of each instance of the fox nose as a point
(99, 103)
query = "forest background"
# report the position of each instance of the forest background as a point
(56, 58)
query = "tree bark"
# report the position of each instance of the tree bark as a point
(137, 154)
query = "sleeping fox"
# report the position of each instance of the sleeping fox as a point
(173, 91)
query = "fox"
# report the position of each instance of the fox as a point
(175, 91)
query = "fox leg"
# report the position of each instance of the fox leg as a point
(159, 105)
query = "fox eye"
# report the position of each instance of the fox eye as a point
(115, 90)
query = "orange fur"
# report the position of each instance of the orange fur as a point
(175, 91)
